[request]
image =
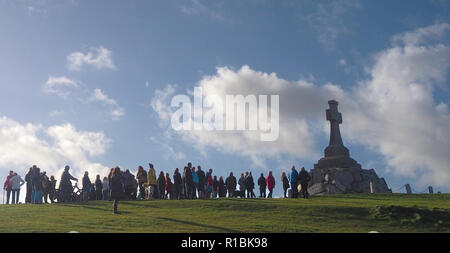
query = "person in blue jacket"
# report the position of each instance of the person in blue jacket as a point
(293, 180)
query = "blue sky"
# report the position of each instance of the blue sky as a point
(102, 106)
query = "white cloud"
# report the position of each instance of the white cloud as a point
(329, 20)
(98, 57)
(392, 113)
(196, 7)
(23, 145)
(115, 110)
(342, 62)
(59, 85)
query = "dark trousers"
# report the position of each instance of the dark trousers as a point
(8, 195)
(262, 192)
(28, 193)
(305, 192)
(15, 196)
(270, 193)
(294, 190)
(142, 190)
(230, 193)
(115, 204)
(177, 194)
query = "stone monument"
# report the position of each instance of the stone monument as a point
(337, 172)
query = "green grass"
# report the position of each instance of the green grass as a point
(339, 213)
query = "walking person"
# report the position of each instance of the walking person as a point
(230, 182)
(141, 177)
(294, 182)
(303, 178)
(270, 181)
(16, 182)
(7, 186)
(262, 186)
(285, 182)
(116, 188)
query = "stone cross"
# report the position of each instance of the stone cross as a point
(336, 146)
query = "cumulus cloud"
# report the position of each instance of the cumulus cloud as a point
(51, 148)
(60, 86)
(393, 112)
(98, 57)
(116, 111)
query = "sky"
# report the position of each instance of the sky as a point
(90, 83)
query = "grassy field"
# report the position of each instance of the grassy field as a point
(340, 213)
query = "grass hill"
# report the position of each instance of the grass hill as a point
(339, 213)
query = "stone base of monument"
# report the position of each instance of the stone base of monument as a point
(349, 179)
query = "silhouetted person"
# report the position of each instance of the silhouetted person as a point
(52, 189)
(116, 187)
(45, 186)
(178, 184)
(222, 189)
(105, 188)
(293, 179)
(98, 188)
(29, 187)
(161, 185)
(250, 185)
(270, 181)
(285, 182)
(86, 186)
(65, 184)
(141, 177)
(209, 184)
(202, 181)
(230, 182)
(36, 182)
(262, 186)
(303, 178)
(169, 187)
(188, 183)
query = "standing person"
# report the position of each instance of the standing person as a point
(141, 177)
(250, 183)
(66, 185)
(222, 189)
(29, 187)
(116, 187)
(98, 188)
(36, 182)
(7, 186)
(285, 181)
(230, 182)
(169, 187)
(188, 183)
(293, 179)
(86, 186)
(202, 181)
(45, 186)
(303, 178)
(151, 178)
(215, 188)
(270, 181)
(105, 188)
(128, 182)
(52, 189)
(178, 184)
(242, 185)
(16, 182)
(262, 186)
(209, 183)
(161, 185)
(195, 180)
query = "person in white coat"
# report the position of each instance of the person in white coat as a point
(16, 182)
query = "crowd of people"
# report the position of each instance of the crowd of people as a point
(193, 183)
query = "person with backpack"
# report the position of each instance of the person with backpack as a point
(303, 178)
(285, 182)
(262, 186)
(151, 179)
(141, 177)
(16, 182)
(293, 179)
(178, 184)
(86, 186)
(7, 186)
(270, 181)
(230, 182)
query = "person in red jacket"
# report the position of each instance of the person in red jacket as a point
(270, 181)
(7, 186)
